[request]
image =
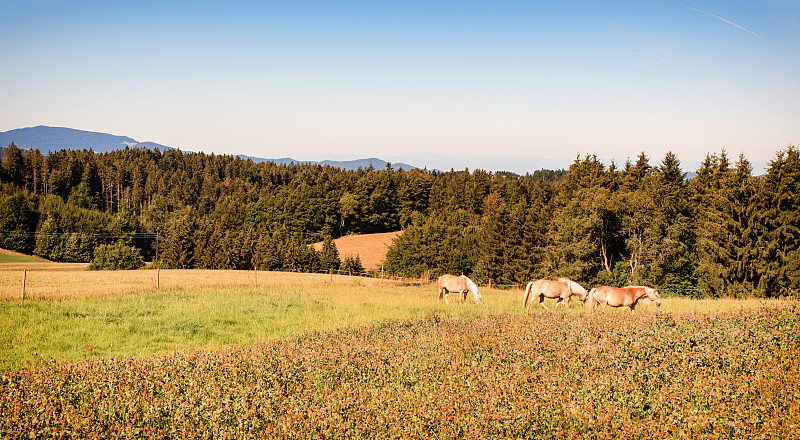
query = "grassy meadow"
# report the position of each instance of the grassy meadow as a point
(77, 314)
(237, 354)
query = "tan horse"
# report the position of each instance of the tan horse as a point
(625, 297)
(452, 284)
(563, 289)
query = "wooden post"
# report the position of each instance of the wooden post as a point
(24, 279)
(158, 278)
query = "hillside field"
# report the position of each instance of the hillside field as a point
(370, 248)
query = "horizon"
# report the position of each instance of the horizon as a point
(433, 161)
(315, 80)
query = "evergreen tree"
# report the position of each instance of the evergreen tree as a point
(726, 228)
(18, 220)
(178, 247)
(779, 239)
(352, 265)
(709, 198)
(674, 265)
(14, 166)
(329, 257)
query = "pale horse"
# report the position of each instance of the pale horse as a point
(625, 297)
(563, 289)
(452, 284)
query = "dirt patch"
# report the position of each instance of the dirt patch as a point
(370, 248)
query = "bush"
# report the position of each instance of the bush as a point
(117, 256)
(352, 265)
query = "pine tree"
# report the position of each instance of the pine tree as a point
(18, 220)
(178, 248)
(779, 240)
(14, 166)
(673, 266)
(710, 197)
(726, 228)
(352, 265)
(329, 257)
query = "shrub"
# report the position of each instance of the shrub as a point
(352, 265)
(117, 256)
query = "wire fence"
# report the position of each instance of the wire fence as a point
(424, 279)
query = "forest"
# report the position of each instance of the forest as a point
(722, 233)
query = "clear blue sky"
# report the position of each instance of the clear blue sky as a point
(379, 78)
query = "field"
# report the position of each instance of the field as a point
(263, 355)
(370, 248)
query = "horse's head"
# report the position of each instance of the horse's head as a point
(476, 294)
(652, 295)
(576, 289)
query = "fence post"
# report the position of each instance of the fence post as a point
(158, 278)
(24, 279)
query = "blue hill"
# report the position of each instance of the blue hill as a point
(58, 138)
(47, 139)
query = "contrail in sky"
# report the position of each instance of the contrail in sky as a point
(712, 15)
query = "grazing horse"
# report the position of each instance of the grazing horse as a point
(452, 284)
(625, 297)
(563, 289)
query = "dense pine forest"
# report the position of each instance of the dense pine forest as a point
(723, 233)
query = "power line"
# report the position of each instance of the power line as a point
(105, 235)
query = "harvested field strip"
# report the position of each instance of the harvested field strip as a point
(61, 283)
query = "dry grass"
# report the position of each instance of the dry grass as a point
(54, 281)
(370, 248)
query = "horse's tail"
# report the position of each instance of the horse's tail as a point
(528, 289)
(590, 300)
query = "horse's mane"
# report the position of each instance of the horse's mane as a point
(575, 287)
(470, 283)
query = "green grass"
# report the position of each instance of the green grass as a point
(18, 258)
(33, 332)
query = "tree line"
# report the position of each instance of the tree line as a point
(724, 232)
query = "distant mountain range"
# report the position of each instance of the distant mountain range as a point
(57, 138)
(48, 139)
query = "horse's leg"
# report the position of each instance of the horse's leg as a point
(541, 302)
(441, 294)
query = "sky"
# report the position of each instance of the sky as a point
(347, 79)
